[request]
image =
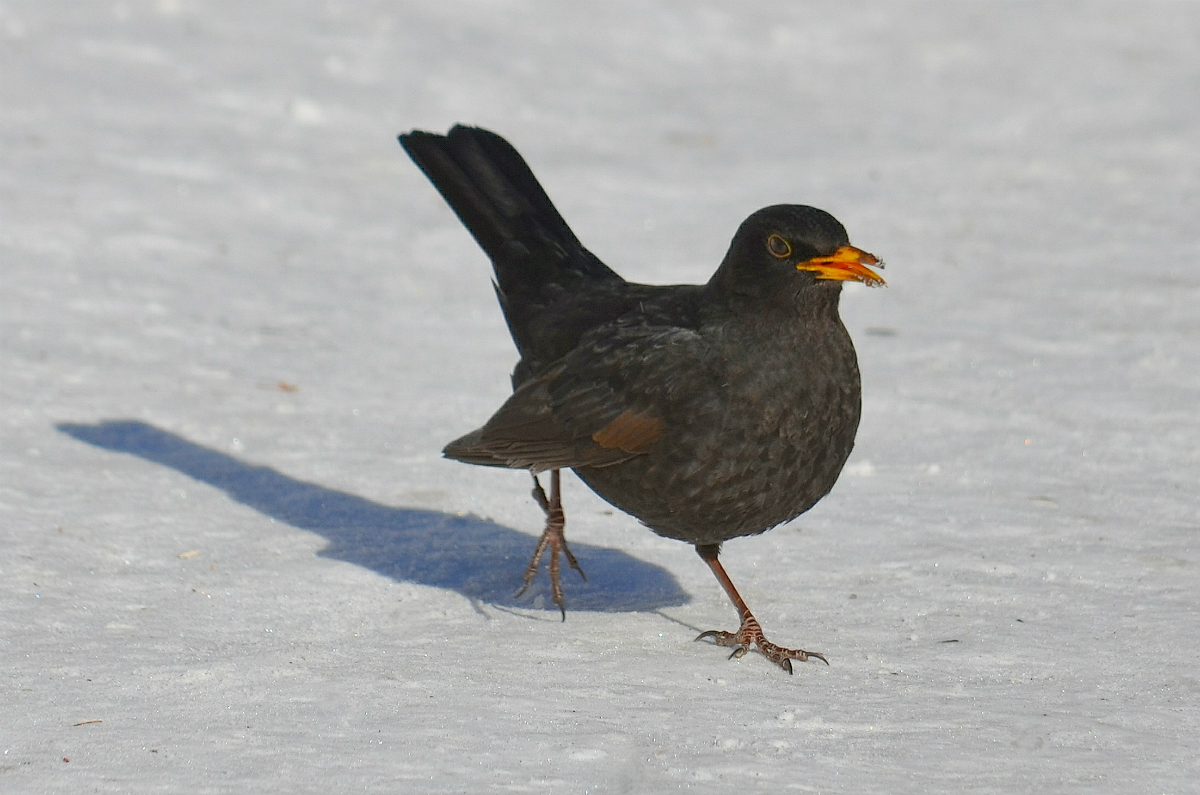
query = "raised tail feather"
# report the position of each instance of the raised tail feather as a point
(499, 200)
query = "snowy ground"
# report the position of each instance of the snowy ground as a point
(237, 326)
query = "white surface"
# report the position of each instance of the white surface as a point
(203, 201)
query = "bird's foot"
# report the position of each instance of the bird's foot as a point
(751, 633)
(553, 539)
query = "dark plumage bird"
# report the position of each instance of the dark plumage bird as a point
(708, 411)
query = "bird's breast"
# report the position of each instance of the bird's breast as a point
(766, 441)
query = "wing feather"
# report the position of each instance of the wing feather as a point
(611, 398)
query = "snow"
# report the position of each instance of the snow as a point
(237, 326)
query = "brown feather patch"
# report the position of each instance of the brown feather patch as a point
(631, 432)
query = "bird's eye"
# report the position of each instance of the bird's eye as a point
(779, 247)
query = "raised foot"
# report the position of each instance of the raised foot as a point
(554, 539)
(751, 633)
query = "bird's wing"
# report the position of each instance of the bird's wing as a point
(610, 399)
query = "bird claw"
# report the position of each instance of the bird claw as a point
(554, 539)
(751, 633)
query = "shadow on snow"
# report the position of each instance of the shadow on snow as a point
(478, 558)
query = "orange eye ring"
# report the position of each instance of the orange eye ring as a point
(779, 247)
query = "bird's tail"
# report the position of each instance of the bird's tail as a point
(499, 200)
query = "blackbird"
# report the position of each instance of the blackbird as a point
(708, 411)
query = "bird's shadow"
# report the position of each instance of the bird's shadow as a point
(478, 558)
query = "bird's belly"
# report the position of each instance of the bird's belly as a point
(749, 465)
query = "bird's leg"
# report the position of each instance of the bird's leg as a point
(553, 539)
(749, 632)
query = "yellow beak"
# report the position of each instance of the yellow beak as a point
(846, 264)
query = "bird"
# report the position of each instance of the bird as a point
(708, 412)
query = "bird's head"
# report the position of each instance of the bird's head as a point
(789, 246)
